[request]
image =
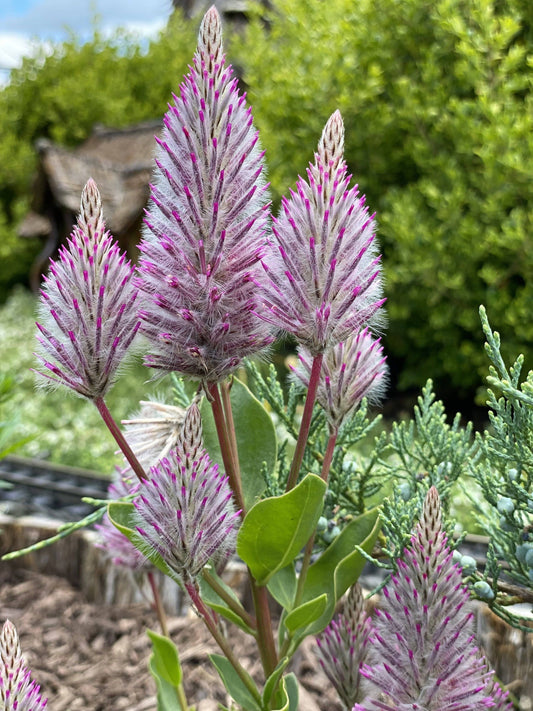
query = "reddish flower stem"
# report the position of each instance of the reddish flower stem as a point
(265, 636)
(225, 447)
(305, 425)
(158, 604)
(119, 438)
(228, 444)
(311, 542)
(225, 388)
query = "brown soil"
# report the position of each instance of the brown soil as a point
(90, 657)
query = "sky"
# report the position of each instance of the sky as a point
(24, 21)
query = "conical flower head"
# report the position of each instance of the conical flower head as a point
(185, 509)
(423, 654)
(205, 231)
(88, 312)
(342, 647)
(18, 692)
(325, 283)
(350, 371)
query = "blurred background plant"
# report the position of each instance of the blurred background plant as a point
(10, 439)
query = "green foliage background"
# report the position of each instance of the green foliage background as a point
(437, 102)
(438, 107)
(61, 94)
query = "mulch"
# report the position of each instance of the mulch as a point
(89, 657)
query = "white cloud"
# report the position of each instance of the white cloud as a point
(13, 46)
(52, 19)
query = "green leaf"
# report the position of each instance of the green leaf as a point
(305, 614)
(256, 439)
(166, 658)
(121, 515)
(234, 684)
(165, 667)
(291, 688)
(339, 567)
(276, 529)
(281, 698)
(215, 602)
(283, 585)
(273, 679)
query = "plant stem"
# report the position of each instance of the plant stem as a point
(161, 616)
(228, 445)
(230, 601)
(265, 636)
(225, 388)
(305, 425)
(119, 438)
(330, 448)
(225, 446)
(221, 641)
(158, 605)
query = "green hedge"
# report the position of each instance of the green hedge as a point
(437, 102)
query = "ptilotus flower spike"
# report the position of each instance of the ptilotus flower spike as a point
(423, 653)
(342, 648)
(87, 309)
(18, 692)
(205, 231)
(185, 509)
(326, 282)
(350, 371)
(154, 431)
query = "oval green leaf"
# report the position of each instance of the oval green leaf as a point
(276, 529)
(305, 614)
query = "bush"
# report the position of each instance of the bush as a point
(438, 108)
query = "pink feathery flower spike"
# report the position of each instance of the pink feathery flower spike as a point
(205, 231)
(325, 281)
(185, 510)
(87, 309)
(18, 692)
(422, 652)
(342, 648)
(350, 372)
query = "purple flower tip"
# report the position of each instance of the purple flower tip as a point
(186, 511)
(88, 311)
(18, 692)
(350, 371)
(205, 232)
(325, 282)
